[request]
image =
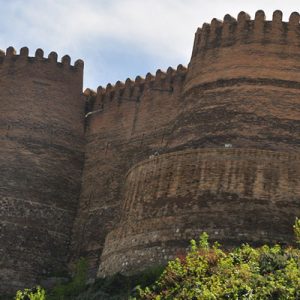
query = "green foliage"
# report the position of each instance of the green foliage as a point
(61, 292)
(75, 286)
(297, 230)
(31, 294)
(206, 272)
(120, 287)
(116, 287)
(209, 273)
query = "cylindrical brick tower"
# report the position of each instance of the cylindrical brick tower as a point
(231, 162)
(41, 157)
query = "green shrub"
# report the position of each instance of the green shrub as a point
(116, 287)
(120, 287)
(209, 273)
(297, 230)
(206, 272)
(31, 294)
(75, 286)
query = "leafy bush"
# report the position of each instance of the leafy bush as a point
(116, 287)
(120, 287)
(75, 286)
(209, 273)
(31, 294)
(297, 230)
(205, 273)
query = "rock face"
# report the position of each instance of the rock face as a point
(213, 147)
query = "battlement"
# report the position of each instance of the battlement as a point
(245, 31)
(23, 57)
(164, 82)
(126, 175)
(246, 50)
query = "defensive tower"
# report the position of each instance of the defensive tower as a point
(41, 157)
(212, 147)
(230, 162)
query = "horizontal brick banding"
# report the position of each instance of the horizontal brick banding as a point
(41, 158)
(236, 195)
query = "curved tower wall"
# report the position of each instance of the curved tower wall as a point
(242, 91)
(126, 127)
(41, 158)
(246, 49)
(235, 195)
(156, 170)
(243, 83)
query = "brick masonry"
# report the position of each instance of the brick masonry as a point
(155, 171)
(235, 195)
(41, 158)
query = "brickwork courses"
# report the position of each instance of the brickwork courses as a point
(214, 146)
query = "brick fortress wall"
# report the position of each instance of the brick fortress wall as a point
(235, 195)
(242, 88)
(131, 122)
(156, 172)
(41, 158)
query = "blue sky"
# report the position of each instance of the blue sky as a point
(119, 38)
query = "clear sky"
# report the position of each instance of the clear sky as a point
(119, 38)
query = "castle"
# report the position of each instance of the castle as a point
(127, 175)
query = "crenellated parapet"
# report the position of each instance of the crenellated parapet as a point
(243, 30)
(246, 51)
(169, 82)
(11, 56)
(126, 175)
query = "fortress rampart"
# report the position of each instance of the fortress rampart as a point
(236, 195)
(127, 126)
(274, 45)
(212, 147)
(41, 153)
